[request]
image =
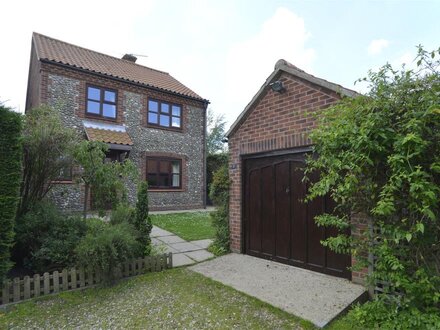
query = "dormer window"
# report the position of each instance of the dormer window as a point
(164, 114)
(101, 102)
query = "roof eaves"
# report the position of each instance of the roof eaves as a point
(75, 67)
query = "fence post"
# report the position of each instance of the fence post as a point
(16, 289)
(65, 280)
(5, 291)
(81, 278)
(37, 285)
(73, 278)
(56, 281)
(46, 283)
(27, 287)
(170, 260)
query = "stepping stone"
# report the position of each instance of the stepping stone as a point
(185, 247)
(180, 259)
(171, 239)
(200, 255)
(159, 232)
(203, 243)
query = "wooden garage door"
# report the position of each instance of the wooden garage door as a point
(278, 225)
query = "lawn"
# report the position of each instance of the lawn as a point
(190, 226)
(176, 298)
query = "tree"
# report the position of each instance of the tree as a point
(142, 221)
(47, 147)
(379, 155)
(216, 132)
(10, 171)
(107, 179)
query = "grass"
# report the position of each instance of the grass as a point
(176, 298)
(190, 226)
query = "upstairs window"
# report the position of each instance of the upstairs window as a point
(164, 114)
(101, 102)
(164, 173)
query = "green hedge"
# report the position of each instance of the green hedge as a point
(10, 172)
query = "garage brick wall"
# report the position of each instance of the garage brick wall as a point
(276, 121)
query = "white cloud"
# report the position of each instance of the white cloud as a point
(377, 46)
(250, 62)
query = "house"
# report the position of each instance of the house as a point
(141, 113)
(268, 143)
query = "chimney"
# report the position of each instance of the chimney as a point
(129, 57)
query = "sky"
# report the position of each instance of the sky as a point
(224, 49)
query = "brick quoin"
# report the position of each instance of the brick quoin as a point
(274, 121)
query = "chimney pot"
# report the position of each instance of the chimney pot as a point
(129, 57)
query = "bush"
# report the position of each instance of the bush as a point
(46, 239)
(105, 247)
(142, 221)
(378, 315)
(219, 193)
(10, 171)
(121, 214)
(213, 163)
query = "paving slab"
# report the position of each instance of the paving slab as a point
(180, 259)
(185, 247)
(200, 255)
(171, 239)
(316, 297)
(159, 232)
(203, 243)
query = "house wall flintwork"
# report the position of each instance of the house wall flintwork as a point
(66, 93)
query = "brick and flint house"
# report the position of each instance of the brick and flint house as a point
(141, 113)
(268, 144)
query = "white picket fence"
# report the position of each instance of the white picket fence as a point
(20, 289)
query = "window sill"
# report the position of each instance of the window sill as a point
(97, 117)
(63, 182)
(165, 190)
(178, 130)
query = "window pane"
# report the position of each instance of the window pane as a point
(164, 107)
(109, 110)
(153, 106)
(176, 110)
(93, 93)
(152, 179)
(176, 180)
(152, 118)
(164, 180)
(110, 96)
(164, 120)
(175, 167)
(164, 167)
(175, 122)
(93, 107)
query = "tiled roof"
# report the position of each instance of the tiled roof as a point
(78, 57)
(108, 136)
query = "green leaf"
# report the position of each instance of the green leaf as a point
(420, 227)
(408, 237)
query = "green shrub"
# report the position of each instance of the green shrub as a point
(142, 221)
(213, 163)
(10, 171)
(46, 239)
(105, 247)
(378, 315)
(122, 213)
(219, 193)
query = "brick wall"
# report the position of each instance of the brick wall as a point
(275, 122)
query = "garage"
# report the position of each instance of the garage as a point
(278, 224)
(268, 143)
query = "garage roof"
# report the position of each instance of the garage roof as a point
(284, 66)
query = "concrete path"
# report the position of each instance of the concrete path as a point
(184, 253)
(312, 296)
